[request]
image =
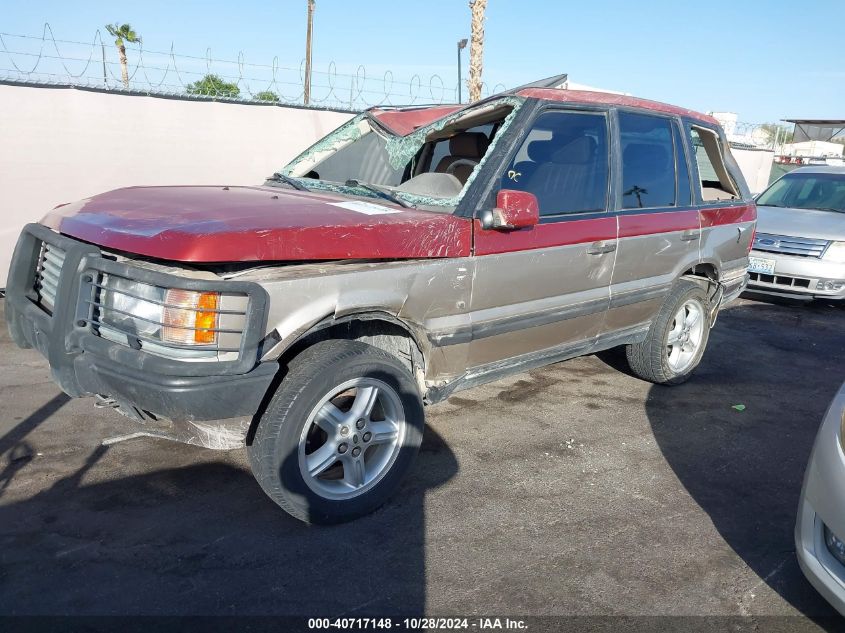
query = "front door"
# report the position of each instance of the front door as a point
(545, 288)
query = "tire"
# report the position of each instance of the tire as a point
(652, 359)
(344, 400)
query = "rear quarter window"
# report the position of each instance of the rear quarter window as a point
(714, 180)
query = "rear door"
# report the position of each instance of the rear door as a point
(727, 213)
(659, 230)
(546, 288)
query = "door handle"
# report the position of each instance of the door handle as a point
(688, 236)
(601, 247)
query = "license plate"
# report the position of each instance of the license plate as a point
(761, 265)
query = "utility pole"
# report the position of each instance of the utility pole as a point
(462, 44)
(308, 35)
(105, 79)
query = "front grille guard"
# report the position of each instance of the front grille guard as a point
(73, 318)
(50, 262)
(99, 282)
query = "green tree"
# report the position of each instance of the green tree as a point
(776, 132)
(267, 95)
(214, 86)
(123, 33)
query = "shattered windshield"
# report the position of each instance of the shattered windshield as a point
(430, 167)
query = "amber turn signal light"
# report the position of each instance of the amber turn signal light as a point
(190, 317)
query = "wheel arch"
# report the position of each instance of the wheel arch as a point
(703, 270)
(706, 274)
(375, 327)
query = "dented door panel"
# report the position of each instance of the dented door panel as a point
(541, 287)
(726, 234)
(429, 296)
(654, 249)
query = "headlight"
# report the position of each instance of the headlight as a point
(835, 252)
(834, 545)
(169, 315)
(132, 307)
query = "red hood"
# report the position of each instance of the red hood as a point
(229, 224)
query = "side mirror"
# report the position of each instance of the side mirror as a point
(514, 210)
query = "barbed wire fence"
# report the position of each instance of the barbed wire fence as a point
(777, 137)
(769, 136)
(50, 61)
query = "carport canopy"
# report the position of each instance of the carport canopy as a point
(816, 129)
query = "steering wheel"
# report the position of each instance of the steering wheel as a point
(461, 162)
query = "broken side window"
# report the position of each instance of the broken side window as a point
(715, 181)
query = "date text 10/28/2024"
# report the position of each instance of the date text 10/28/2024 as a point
(414, 624)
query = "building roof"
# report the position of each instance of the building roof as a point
(826, 122)
(817, 129)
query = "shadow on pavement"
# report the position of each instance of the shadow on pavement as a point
(204, 539)
(794, 302)
(745, 468)
(16, 450)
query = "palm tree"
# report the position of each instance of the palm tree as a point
(123, 33)
(476, 48)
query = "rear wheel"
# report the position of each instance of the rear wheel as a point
(339, 434)
(676, 339)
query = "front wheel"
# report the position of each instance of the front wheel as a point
(676, 339)
(339, 434)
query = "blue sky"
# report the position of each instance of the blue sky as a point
(763, 60)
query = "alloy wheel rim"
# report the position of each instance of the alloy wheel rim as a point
(685, 337)
(352, 438)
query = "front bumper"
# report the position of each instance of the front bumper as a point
(140, 384)
(799, 277)
(823, 504)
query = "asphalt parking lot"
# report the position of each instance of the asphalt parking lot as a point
(574, 489)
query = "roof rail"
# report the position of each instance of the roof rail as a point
(555, 81)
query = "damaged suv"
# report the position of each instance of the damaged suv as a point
(411, 253)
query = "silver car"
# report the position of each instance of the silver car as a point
(799, 248)
(820, 530)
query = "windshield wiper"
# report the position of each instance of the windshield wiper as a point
(829, 209)
(293, 182)
(381, 194)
